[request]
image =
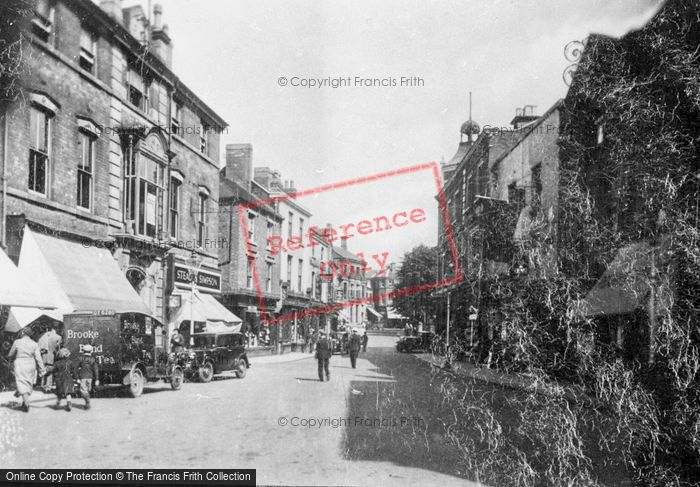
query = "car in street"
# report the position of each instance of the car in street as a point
(214, 353)
(421, 342)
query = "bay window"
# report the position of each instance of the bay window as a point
(143, 193)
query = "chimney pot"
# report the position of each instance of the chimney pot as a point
(157, 16)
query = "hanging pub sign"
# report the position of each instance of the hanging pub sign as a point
(206, 280)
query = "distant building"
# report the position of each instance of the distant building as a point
(247, 253)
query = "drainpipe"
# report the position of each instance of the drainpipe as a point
(3, 222)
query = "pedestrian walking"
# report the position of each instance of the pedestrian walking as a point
(354, 346)
(65, 375)
(27, 360)
(365, 339)
(49, 343)
(87, 373)
(177, 342)
(323, 356)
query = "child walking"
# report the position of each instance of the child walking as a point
(87, 373)
(64, 377)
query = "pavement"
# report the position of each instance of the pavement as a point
(514, 381)
(367, 426)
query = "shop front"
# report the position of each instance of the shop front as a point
(192, 290)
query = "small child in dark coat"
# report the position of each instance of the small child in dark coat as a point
(88, 373)
(64, 377)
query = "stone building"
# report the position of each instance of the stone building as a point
(350, 285)
(250, 269)
(108, 149)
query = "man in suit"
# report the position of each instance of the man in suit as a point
(323, 355)
(354, 346)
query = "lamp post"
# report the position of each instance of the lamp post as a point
(194, 262)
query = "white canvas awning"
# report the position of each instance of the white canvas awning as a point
(374, 311)
(17, 288)
(74, 277)
(205, 308)
(392, 314)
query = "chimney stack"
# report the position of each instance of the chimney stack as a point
(344, 242)
(524, 116)
(239, 163)
(162, 44)
(113, 8)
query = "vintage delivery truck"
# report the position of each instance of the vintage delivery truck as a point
(129, 348)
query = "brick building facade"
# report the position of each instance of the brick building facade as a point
(108, 148)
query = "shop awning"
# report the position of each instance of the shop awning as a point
(374, 312)
(75, 276)
(205, 308)
(20, 289)
(392, 314)
(343, 314)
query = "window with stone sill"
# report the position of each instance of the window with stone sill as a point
(268, 278)
(251, 227)
(40, 142)
(299, 275)
(175, 207)
(86, 170)
(176, 119)
(43, 21)
(249, 274)
(88, 51)
(203, 142)
(202, 220)
(270, 234)
(136, 89)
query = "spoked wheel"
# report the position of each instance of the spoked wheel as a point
(241, 369)
(177, 378)
(206, 372)
(136, 382)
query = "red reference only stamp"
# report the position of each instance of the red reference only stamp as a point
(371, 230)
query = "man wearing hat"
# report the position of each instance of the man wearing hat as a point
(87, 373)
(354, 346)
(323, 355)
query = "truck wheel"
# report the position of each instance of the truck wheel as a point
(177, 378)
(241, 369)
(136, 382)
(206, 372)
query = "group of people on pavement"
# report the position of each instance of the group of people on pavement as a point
(324, 351)
(54, 366)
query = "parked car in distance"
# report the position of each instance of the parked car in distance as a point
(214, 353)
(415, 343)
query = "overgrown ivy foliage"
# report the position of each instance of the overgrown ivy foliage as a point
(14, 18)
(627, 222)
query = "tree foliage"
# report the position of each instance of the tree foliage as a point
(14, 16)
(418, 268)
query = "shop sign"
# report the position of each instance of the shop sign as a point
(206, 280)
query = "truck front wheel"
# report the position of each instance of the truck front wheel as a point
(136, 382)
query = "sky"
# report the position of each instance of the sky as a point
(508, 53)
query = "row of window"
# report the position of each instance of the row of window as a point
(143, 180)
(142, 93)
